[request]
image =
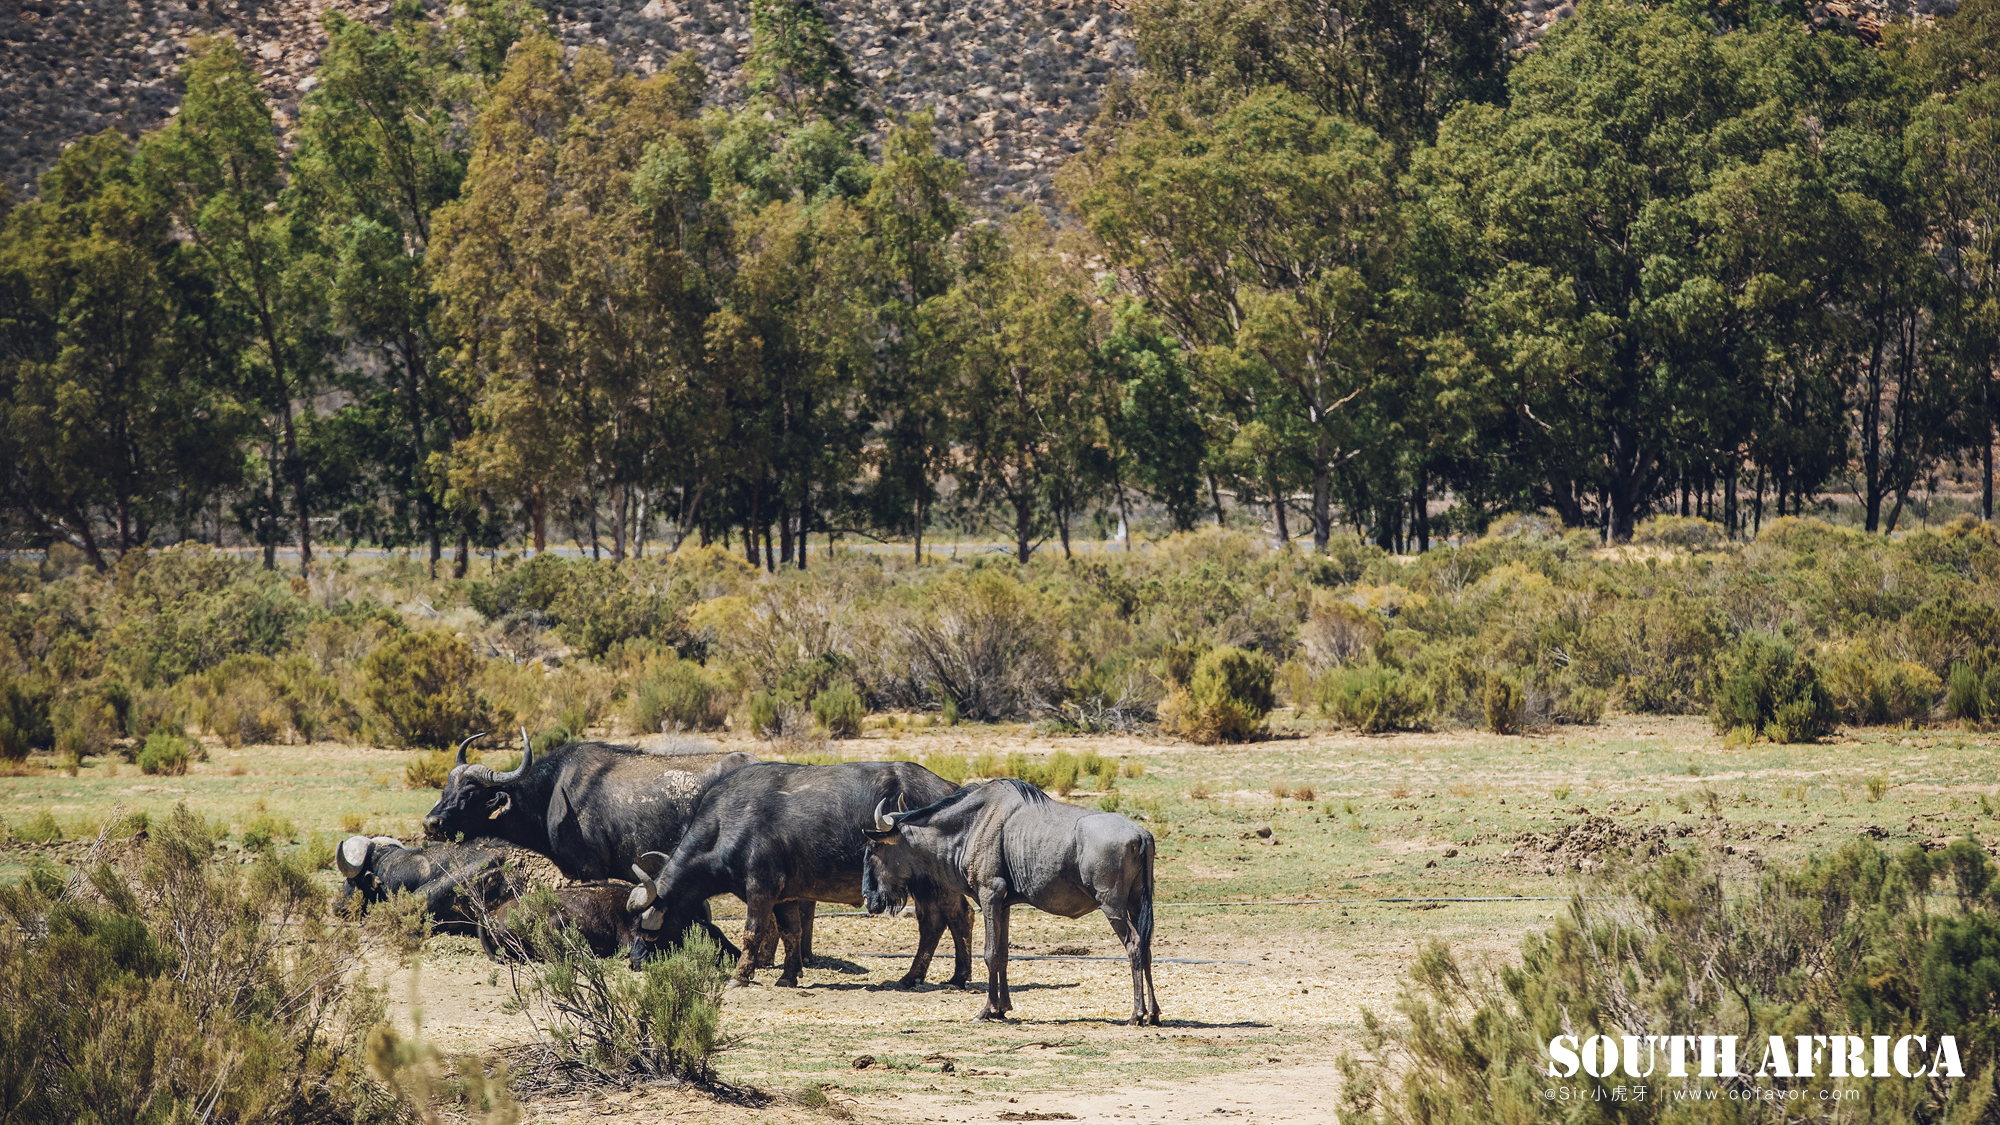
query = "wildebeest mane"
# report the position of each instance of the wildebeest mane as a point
(1028, 793)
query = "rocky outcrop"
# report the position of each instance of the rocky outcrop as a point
(1013, 82)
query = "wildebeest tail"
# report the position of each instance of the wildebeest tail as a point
(1143, 917)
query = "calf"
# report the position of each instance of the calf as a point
(599, 915)
(457, 882)
(1005, 842)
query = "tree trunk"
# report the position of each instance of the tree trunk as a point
(805, 520)
(1215, 498)
(1757, 511)
(268, 531)
(538, 506)
(1125, 517)
(750, 523)
(1322, 500)
(1024, 521)
(1986, 470)
(919, 517)
(1420, 511)
(461, 555)
(617, 523)
(1871, 437)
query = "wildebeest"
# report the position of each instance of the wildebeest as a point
(776, 833)
(446, 876)
(591, 808)
(1004, 842)
(598, 913)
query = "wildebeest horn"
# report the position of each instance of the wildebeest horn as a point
(882, 821)
(466, 743)
(352, 855)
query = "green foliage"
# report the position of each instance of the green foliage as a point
(602, 1017)
(190, 988)
(164, 753)
(1765, 686)
(767, 713)
(40, 829)
(1228, 693)
(1372, 698)
(1504, 705)
(955, 768)
(1475, 1044)
(1870, 690)
(428, 771)
(678, 695)
(591, 606)
(839, 709)
(25, 723)
(421, 685)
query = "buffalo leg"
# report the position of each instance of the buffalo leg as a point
(792, 929)
(930, 926)
(805, 929)
(760, 925)
(993, 903)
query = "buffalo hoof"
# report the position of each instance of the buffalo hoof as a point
(735, 983)
(907, 983)
(959, 985)
(788, 982)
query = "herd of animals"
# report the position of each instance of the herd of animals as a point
(646, 840)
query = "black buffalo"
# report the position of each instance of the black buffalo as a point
(774, 833)
(456, 881)
(592, 808)
(1005, 842)
(597, 913)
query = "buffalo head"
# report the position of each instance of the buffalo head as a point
(477, 801)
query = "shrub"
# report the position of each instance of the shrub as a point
(1961, 696)
(190, 990)
(86, 724)
(1338, 632)
(593, 605)
(1764, 686)
(1948, 629)
(421, 685)
(1690, 533)
(429, 771)
(1226, 697)
(165, 754)
(1868, 689)
(24, 716)
(599, 1017)
(678, 695)
(1109, 802)
(1473, 1043)
(1372, 698)
(839, 710)
(41, 829)
(982, 644)
(265, 830)
(1503, 705)
(952, 767)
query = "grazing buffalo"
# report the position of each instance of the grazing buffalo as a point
(591, 808)
(599, 914)
(449, 877)
(774, 833)
(1004, 842)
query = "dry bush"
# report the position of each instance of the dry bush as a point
(674, 695)
(421, 686)
(981, 643)
(1337, 632)
(1224, 699)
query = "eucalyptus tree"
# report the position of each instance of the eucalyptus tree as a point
(117, 411)
(1265, 238)
(219, 172)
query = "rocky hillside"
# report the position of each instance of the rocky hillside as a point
(1013, 81)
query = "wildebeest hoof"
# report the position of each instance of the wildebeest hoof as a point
(788, 982)
(908, 982)
(990, 1014)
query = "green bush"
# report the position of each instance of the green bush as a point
(839, 710)
(86, 724)
(1227, 696)
(189, 990)
(24, 716)
(1872, 690)
(954, 768)
(592, 605)
(421, 686)
(1689, 533)
(165, 754)
(429, 771)
(1372, 698)
(1945, 630)
(1766, 687)
(678, 695)
(1472, 1046)
(767, 714)
(1504, 704)
(40, 829)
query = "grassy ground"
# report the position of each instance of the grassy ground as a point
(1456, 815)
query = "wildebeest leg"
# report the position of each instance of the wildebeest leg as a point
(993, 903)
(1141, 960)
(958, 917)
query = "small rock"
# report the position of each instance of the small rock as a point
(1264, 831)
(1451, 853)
(864, 1062)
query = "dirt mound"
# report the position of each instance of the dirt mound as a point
(1587, 844)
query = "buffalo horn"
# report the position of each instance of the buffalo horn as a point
(882, 821)
(652, 918)
(466, 743)
(642, 896)
(352, 857)
(527, 757)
